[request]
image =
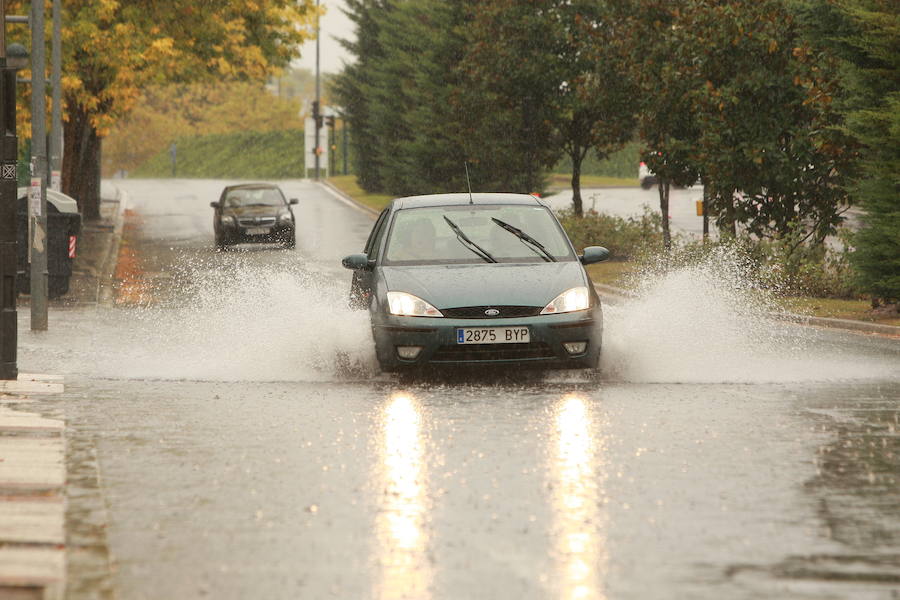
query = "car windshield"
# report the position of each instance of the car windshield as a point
(471, 234)
(253, 197)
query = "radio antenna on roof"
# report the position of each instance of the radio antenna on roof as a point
(468, 183)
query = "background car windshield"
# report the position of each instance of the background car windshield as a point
(422, 236)
(247, 196)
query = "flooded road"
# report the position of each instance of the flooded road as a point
(248, 448)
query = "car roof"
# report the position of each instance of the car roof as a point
(463, 198)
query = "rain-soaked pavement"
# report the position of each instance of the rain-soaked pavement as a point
(247, 448)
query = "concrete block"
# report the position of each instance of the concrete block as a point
(32, 463)
(32, 521)
(32, 573)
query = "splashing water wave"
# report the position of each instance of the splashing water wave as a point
(240, 324)
(709, 323)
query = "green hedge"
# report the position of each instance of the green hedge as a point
(240, 155)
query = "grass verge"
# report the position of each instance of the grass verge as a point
(563, 181)
(348, 185)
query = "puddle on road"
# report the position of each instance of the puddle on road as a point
(237, 320)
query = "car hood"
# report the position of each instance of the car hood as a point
(255, 211)
(454, 286)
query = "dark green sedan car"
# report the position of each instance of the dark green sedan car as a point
(460, 279)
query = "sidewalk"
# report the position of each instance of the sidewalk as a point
(33, 476)
(32, 493)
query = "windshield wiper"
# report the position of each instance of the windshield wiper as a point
(465, 241)
(526, 239)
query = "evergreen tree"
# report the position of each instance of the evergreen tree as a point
(871, 50)
(354, 85)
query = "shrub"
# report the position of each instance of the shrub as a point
(626, 239)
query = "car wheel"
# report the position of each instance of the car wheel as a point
(646, 184)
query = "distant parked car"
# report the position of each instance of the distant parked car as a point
(646, 176)
(254, 213)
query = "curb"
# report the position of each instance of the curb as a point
(105, 291)
(846, 324)
(347, 199)
(33, 543)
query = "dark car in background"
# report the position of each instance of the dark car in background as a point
(483, 279)
(254, 213)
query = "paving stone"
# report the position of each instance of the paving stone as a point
(30, 387)
(30, 570)
(15, 420)
(32, 521)
(32, 463)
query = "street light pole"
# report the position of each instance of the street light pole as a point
(56, 92)
(37, 195)
(318, 104)
(8, 205)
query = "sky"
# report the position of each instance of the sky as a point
(334, 25)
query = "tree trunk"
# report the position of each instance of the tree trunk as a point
(663, 186)
(705, 215)
(728, 225)
(577, 157)
(81, 163)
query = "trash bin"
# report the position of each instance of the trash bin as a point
(63, 227)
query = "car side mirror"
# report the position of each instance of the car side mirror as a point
(293, 201)
(357, 262)
(594, 254)
(215, 205)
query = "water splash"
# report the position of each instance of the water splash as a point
(237, 323)
(709, 322)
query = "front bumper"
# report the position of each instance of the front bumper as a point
(437, 338)
(278, 234)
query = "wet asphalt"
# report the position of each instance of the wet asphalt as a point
(247, 447)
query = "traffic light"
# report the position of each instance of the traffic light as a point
(329, 121)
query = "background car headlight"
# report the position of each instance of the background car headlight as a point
(285, 217)
(407, 305)
(571, 300)
(227, 220)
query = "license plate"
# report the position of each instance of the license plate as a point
(257, 230)
(493, 335)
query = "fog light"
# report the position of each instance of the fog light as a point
(575, 347)
(408, 352)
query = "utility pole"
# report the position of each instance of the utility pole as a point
(317, 106)
(8, 206)
(56, 97)
(37, 195)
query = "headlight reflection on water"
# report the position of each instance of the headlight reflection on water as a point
(400, 526)
(579, 522)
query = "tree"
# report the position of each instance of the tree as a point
(865, 34)
(666, 119)
(114, 48)
(353, 86)
(561, 61)
(730, 92)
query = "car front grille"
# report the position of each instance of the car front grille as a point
(489, 352)
(256, 222)
(478, 312)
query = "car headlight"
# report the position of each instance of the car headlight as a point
(285, 217)
(227, 220)
(407, 305)
(571, 300)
